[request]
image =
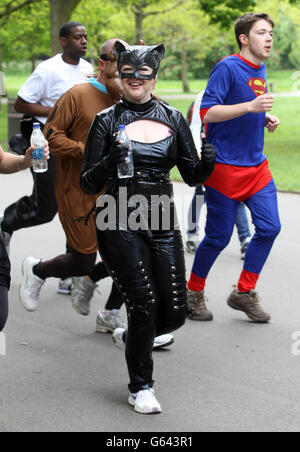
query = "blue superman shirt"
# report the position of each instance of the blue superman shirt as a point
(239, 142)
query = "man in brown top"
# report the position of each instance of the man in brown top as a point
(67, 128)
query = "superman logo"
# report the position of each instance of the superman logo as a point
(258, 86)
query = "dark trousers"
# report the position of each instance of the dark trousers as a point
(115, 299)
(38, 208)
(74, 263)
(3, 307)
(4, 266)
(4, 284)
(150, 274)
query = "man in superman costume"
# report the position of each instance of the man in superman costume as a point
(234, 109)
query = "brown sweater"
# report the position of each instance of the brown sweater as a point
(66, 130)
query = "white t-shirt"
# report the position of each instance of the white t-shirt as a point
(51, 79)
(196, 123)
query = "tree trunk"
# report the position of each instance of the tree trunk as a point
(33, 62)
(184, 71)
(2, 80)
(60, 13)
(139, 18)
(1, 67)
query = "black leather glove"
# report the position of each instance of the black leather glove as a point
(208, 153)
(118, 154)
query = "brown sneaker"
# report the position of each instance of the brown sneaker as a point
(197, 309)
(248, 303)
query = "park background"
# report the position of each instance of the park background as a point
(196, 34)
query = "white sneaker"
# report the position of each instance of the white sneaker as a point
(31, 285)
(81, 294)
(64, 286)
(117, 338)
(159, 342)
(145, 402)
(108, 321)
(163, 341)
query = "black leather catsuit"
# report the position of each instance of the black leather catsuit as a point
(147, 266)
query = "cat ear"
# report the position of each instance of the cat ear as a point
(160, 49)
(118, 48)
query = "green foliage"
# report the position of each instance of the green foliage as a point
(25, 34)
(186, 28)
(121, 23)
(282, 82)
(194, 26)
(96, 16)
(224, 12)
(285, 52)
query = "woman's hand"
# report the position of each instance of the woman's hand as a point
(117, 155)
(208, 152)
(27, 161)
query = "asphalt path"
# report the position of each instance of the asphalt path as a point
(58, 375)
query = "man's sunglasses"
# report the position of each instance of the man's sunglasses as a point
(106, 57)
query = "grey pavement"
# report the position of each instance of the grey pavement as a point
(229, 375)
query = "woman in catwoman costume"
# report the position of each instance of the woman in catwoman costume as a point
(147, 264)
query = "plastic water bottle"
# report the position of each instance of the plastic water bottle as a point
(37, 141)
(125, 169)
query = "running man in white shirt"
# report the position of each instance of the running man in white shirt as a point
(44, 87)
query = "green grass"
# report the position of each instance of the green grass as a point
(14, 83)
(283, 147)
(16, 74)
(281, 81)
(175, 86)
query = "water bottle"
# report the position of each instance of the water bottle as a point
(125, 169)
(37, 141)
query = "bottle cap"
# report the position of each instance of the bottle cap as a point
(36, 125)
(121, 127)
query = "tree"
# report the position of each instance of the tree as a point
(286, 15)
(224, 12)
(60, 12)
(142, 9)
(193, 30)
(190, 36)
(179, 24)
(99, 17)
(25, 34)
(9, 7)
